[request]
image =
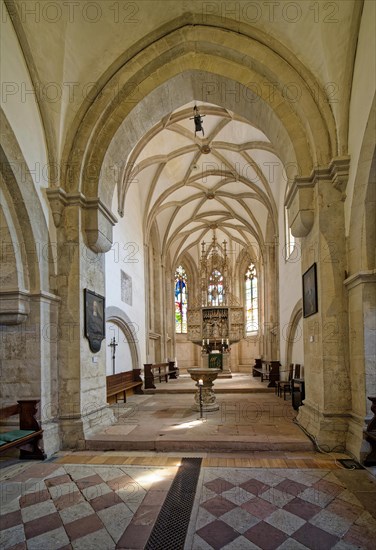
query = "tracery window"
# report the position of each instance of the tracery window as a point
(215, 288)
(251, 299)
(181, 301)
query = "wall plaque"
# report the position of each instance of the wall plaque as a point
(126, 288)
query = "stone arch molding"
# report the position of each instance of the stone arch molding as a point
(119, 317)
(290, 332)
(29, 243)
(263, 69)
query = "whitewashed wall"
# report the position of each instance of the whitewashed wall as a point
(127, 254)
(123, 357)
(290, 288)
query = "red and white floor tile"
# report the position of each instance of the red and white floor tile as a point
(278, 509)
(52, 506)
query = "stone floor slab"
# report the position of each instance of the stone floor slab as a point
(53, 540)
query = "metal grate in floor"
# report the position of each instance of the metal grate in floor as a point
(170, 529)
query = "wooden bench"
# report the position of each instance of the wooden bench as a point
(370, 436)
(118, 385)
(28, 437)
(159, 370)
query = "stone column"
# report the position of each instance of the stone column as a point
(147, 300)
(316, 215)
(361, 288)
(164, 309)
(271, 345)
(81, 373)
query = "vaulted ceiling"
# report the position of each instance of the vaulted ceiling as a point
(117, 74)
(228, 180)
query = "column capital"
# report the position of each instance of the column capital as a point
(362, 277)
(300, 197)
(98, 220)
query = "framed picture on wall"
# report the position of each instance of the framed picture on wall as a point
(95, 327)
(310, 291)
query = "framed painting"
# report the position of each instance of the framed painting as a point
(215, 361)
(95, 324)
(310, 305)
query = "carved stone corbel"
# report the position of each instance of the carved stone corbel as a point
(98, 221)
(300, 207)
(300, 198)
(58, 201)
(98, 224)
(14, 307)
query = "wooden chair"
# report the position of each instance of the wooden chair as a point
(284, 385)
(294, 387)
(297, 390)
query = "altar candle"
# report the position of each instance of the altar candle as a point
(207, 341)
(227, 341)
(222, 341)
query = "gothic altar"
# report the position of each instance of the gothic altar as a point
(216, 318)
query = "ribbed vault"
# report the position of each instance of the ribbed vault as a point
(228, 180)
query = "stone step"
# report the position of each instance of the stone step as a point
(205, 445)
(168, 390)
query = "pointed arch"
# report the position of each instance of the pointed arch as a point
(307, 126)
(118, 316)
(251, 299)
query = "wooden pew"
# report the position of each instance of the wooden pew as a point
(28, 437)
(162, 371)
(270, 372)
(370, 436)
(118, 385)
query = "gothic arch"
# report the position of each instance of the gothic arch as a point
(28, 300)
(187, 262)
(363, 207)
(289, 332)
(308, 124)
(33, 234)
(118, 316)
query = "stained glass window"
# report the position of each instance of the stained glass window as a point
(181, 300)
(215, 288)
(251, 299)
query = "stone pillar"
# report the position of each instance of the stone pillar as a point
(316, 215)
(28, 356)
(361, 288)
(82, 374)
(164, 290)
(147, 301)
(270, 340)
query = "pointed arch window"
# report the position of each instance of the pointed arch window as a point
(181, 301)
(251, 299)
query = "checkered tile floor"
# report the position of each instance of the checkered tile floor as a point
(52, 506)
(278, 509)
(81, 507)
